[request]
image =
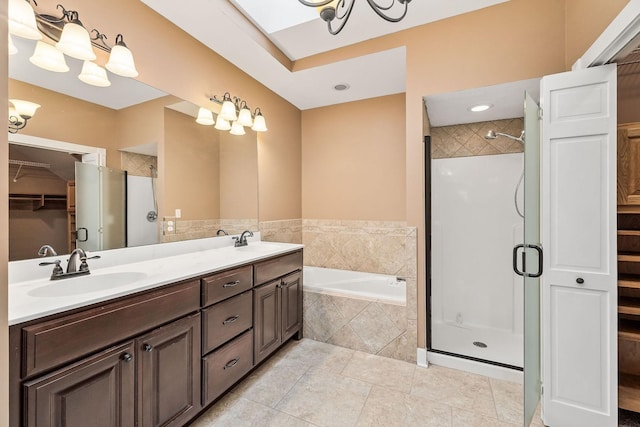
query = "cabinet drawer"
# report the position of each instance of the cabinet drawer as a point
(277, 267)
(54, 342)
(222, 368)
(225, 320)
(224, 285)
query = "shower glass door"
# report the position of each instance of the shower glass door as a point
(531, 237)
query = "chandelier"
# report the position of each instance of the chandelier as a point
(337, 12)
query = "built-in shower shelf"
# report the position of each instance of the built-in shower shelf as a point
(629, 306)
(629, 392)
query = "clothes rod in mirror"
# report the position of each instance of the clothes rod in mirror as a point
(72, 39)
(234, 116)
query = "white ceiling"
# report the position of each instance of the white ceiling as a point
(507, 102)
(369, 76)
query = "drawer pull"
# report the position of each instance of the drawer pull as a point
(231, 319)
(127, 357)
(231, 284)
(232, 363)
(148, 348)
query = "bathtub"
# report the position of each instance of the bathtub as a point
(355, 284)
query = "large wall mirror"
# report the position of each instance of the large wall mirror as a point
(182, 181)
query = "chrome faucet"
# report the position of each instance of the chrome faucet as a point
(76, 266)
(46, 250)
(221, 232)
(242, 240)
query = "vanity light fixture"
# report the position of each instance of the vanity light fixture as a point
(340, 11)
(235, 115)
(20, 114)
(72, 39)
(94, 75)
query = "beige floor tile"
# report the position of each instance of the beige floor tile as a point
(508, 397)
(317, 356)
(458, 389)
(272, 381)
(235, 411)
(389, 408)
(326, 399)
(462, 418)
(378, 370)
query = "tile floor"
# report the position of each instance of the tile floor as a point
(308, 383)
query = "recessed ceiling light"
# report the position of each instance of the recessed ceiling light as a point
(479, 108)
(341, 86)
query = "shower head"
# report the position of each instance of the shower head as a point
(493, 135)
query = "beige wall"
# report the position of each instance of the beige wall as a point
(585, 21)
(353, 160)
(90, 124)
(191, 158)
(238, 176)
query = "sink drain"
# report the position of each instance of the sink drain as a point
(479, 344)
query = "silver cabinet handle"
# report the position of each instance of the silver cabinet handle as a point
(231, 284)
(231, 319)
(231, 363)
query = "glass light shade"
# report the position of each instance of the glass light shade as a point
(16, 117)
(259, 124)
(48, 57)
(93, 74)
(25, 108)
(244, 118)
(222, 124)
(237, 129)
(75, 42)
(121, 62)
(333, 4)
(228, 111)
(205, 117)
(12, 47)
(22, 20)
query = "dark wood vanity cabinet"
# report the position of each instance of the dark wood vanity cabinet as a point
(156, 358)
(277, 304)
(99, 388)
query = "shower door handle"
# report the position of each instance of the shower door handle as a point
(524, 273)
(86, 234)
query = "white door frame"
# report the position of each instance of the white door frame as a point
(98, 155)
(614, 39)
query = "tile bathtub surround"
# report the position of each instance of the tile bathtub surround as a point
(286, 231)
(468, 139)
(384, 247)
(308, 383)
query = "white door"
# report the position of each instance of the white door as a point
(579, 285)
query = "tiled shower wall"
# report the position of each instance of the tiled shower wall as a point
(468, 139)
(137, 164)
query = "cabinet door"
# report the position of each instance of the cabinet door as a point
(291, 294)
(266, 318)
(169, 373)
(98, 391)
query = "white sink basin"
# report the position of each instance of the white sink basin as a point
(261, 248)
(86, 284)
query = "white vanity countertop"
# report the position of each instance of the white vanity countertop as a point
(39, 297)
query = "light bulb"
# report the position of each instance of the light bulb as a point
(22, 20)
(259, 124)
(222, 124)
(49, 58)
(244, 118)
(121, 60)
(237, 129)
(94, 75)
(228, 111)
(205, 117)
(75, 41)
